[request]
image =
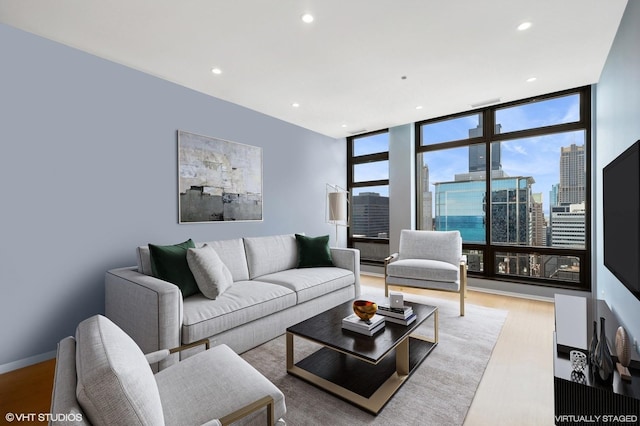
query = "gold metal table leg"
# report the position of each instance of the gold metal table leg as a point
(402, 358)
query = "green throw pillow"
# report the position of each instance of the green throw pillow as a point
(169, 263)
(313, 251)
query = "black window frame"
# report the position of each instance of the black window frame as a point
(489, 249)
(352, 161)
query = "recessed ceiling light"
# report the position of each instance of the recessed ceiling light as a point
(216, 71)
(295, 105)
(531, 79)
(343, 126)
(307, 18)
(419, 107)
(524, 26)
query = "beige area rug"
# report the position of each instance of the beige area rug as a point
(439, 392)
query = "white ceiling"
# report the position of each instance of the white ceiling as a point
(345, 68)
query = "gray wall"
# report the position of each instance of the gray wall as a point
(617, 127)
(402, 183)
(88, 171)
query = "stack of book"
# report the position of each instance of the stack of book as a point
(403, 316)
(369, 327)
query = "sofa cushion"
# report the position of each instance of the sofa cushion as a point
(169, 263)
(115, 383)
(230, 251)
(266, 255)
(309, 283)
(232, 254)
(313, 251)
(421, 269)
(243, 302)
(212, 276)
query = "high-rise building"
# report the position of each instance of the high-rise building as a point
(553, 195)
(572, 187)
(426, 215)
(537, 223)
(370, 215)
(568, 216)
(568, 226)
(477, 153)
(461, 205)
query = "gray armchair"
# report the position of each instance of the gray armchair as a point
(430, 260)
(103, 378)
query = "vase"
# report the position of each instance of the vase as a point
(603, 360)
(593, 344)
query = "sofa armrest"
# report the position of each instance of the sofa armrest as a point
(348, 258)
(146, 308)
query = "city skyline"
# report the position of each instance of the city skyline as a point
(538, 156)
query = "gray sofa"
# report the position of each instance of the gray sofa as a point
(268, 295)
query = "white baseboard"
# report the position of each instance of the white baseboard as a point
(25, 362)
(511, 294)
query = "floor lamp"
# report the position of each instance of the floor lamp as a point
(337, 206)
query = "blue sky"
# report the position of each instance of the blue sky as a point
(538, 156)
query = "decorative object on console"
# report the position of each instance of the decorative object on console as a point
(337, 206)
(604, 362)
(624, 353)
(365, 309)
(593, 345)
(578, 377)
(578, 361)
(218, 180)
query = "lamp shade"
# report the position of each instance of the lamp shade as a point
(337, 206)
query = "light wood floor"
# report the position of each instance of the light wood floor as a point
(517, 386)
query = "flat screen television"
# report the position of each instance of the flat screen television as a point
(621, 217)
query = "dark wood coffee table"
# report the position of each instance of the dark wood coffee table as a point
(365, 371)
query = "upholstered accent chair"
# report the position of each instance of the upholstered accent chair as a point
(103, 378)
(429, 260)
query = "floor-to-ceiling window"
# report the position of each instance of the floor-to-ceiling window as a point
(368, 183)
(514, 180)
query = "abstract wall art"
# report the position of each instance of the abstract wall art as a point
(218, 180)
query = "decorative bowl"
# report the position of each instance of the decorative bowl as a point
(365, 309)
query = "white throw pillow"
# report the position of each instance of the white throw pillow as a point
(211, 274)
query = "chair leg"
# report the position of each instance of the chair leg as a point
(386, 288)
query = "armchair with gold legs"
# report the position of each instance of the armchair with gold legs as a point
(430, 260)
(103, 378)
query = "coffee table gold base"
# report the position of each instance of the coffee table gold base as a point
(409, 353)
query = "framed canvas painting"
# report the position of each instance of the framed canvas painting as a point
(218, 180)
